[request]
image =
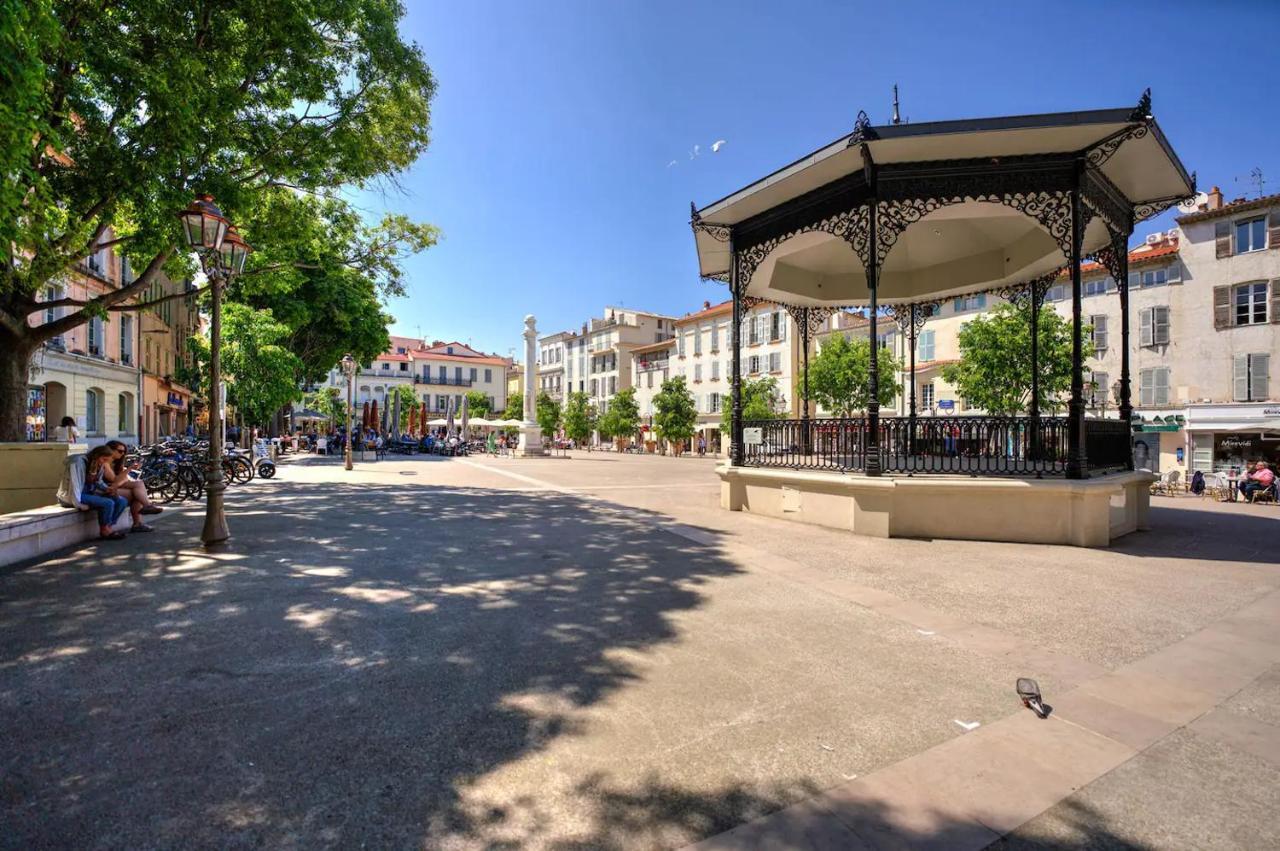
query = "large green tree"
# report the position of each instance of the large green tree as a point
(260, 371)
(994, 371)
(125, 110)
(579, 418)
(477, 404)
(674, 412)
(622, 419)
(548, 410)
(325, 274)
(761, 400)
(839, 376)
(515, 407)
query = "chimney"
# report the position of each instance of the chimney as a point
(1215, 198)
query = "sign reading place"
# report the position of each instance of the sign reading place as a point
(752, 436)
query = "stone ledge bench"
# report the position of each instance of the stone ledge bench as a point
(40, 531)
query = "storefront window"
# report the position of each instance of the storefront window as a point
(1233, 450)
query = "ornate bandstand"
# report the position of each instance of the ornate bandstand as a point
(892, 219)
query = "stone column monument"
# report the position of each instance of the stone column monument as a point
(530, 435)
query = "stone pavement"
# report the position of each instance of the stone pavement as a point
(588, 653)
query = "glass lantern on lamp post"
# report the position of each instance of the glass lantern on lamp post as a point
(349, 370)
(222, 253)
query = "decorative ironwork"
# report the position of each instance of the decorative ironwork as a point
(1106, 149)
(852, 226)
(1109, 258)
(723, 277)
(1107, 202)
(1021, 294)
(1142, 112)
(750, 302)
(1142, 212)
(1051, 209)
(862, 130)
(976, 445)
(910, 318)
(718, 232)
(809, 318)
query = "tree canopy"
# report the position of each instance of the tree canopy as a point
(123, 111)
(839, 376)
(260, 372)
(548, 410)
(761, 400)
(477, 404)
(515, 407)
(674, 413)
(622, 419)
(994, 372)
(579, 418)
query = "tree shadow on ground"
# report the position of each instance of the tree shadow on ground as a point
(1183, 530)
(345, 673)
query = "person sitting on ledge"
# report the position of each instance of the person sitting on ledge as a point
(1259, 480)
(130, 488)
(85, 485)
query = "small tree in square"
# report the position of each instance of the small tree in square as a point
(579, 418)
(674, 413)
(477, 404)
(549, 415)
(622, 420)
(839, 376)
(761, 400)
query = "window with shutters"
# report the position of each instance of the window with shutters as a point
(775, 361)
(715, 370)
(970, 302)
(126, 340)
(715, 338)
(1098, 389)
(753, 364)
(697, 341)
(1251, 235)
(1251, 377)
(777, 326)
(697, 372)
(1154, 327)
(1099, 324)
(713, 403)
(753, 330)
(924, 346)
(1250, 302)
(1153, 386)
(926, 395)
(680, 345)
(1057, 292)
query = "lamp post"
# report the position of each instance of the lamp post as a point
(349, 370)
(222, 253)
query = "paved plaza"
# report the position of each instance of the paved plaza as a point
(588, 653)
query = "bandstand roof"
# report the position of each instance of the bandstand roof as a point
(959, 245)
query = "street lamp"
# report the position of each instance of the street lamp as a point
(222, 253)
(349, 370)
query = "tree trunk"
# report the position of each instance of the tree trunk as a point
(15, 358)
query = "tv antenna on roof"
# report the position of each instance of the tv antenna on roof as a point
(897, 119)
(1256, 178)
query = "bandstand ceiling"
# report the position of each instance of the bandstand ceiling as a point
(966, 247)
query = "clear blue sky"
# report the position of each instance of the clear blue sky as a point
(556, 122)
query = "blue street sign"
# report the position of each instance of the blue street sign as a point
(946, 404)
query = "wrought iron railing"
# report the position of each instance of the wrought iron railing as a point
(973, 445)
(1108, 445)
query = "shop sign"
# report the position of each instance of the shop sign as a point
(175, 401)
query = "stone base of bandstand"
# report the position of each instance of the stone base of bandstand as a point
(1083, 513)
(530, 442)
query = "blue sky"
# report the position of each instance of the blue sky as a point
(556, 124)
